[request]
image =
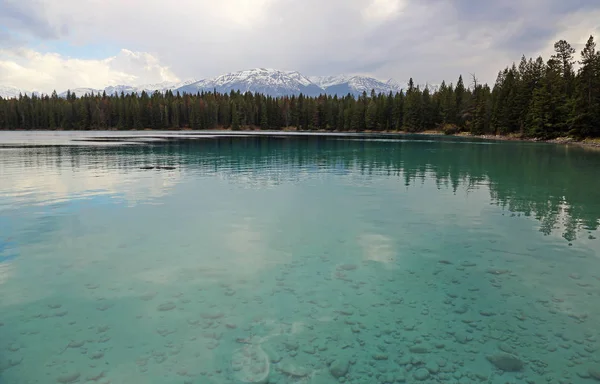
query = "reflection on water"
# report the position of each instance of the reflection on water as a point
(298, 260)
(555, 184)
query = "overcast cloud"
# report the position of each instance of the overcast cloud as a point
(48, 44)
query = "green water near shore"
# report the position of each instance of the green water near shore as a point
(302, 259)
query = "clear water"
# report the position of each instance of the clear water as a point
(301, 259)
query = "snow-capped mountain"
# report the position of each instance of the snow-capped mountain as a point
(355, 85)
(148, 88)
(272, 82)
(7, 92)
(259, 80)
(81, 91)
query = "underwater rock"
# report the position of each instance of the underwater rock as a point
(148, 296)
(291, 344)
(294, 370)
(96, 376)
(339, 368)
(594, 373)
(461, 309)
(403, 360)
(166, 307)
(12, 363)
(506, 362)
(496, 271)
(68, 378)
(74, 344)
(419, 349)
(380, 356)
(274, 356)
(104, 339)
(212, 315)
(432, 367)
(421, 374)
(462, 338)
(104, 307)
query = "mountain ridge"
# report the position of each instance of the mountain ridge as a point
(268, 81)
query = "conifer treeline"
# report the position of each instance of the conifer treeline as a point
(537, 98)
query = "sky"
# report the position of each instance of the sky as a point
(50, 45)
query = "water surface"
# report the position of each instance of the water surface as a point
(296, 259)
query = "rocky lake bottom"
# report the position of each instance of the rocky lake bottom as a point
(275, 272)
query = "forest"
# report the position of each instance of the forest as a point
(534, 98)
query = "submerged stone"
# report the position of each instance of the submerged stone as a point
(339, 368)
(293, 370)
(68, 378)
(347, 267)
(594, 373)
(166, 307)
(506, 362)
(419, 349)
(421, 374)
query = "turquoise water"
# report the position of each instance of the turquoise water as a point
(298, 259)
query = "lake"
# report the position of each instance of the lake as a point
(165, 257)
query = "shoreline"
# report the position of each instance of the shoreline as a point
(587, 143)
(565, 140)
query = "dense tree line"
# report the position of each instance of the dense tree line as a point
(535, 98)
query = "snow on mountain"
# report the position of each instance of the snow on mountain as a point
(81, 91)
(259, 80)
(343, 84)
(128, 89)
(272, 82)
(328, 81)
(7, 92)
(148, 88)
(432, 87)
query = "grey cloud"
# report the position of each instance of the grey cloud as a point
(524, 26)
(9, 40)
(430, 40)
(27, 16)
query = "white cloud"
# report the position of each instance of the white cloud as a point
(429, 40)
(31, 70)
(575, 28)
(380, 10)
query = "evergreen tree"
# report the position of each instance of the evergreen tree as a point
(534, 98)
(371, 116)
(586, 112)
(235, 118)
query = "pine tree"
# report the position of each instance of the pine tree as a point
(412, 108)
(547, 113)
(235, 118)
(371, 116)
(586, 112)
(459, 104)
(264, 117)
